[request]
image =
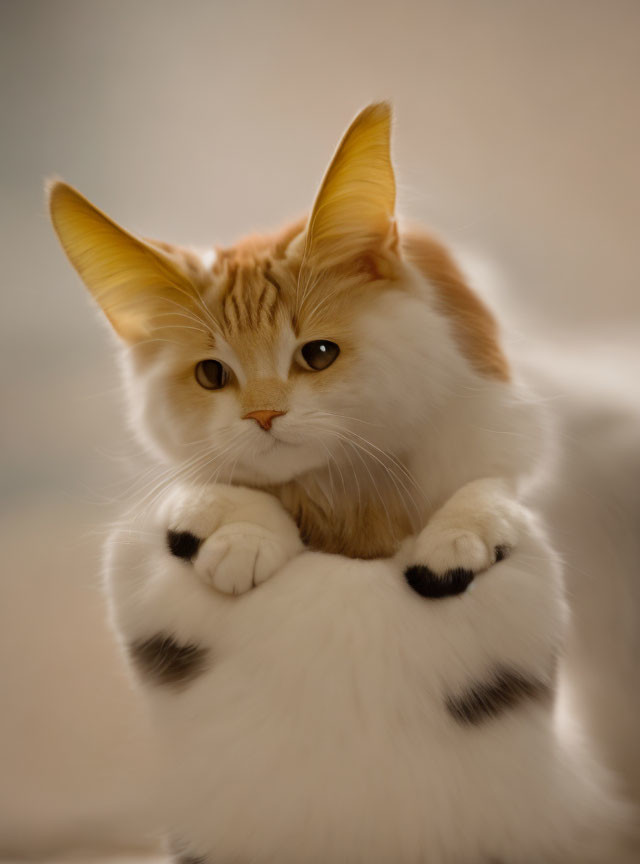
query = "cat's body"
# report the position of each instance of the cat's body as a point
(345, 505)
(334, 715)
(332, 514)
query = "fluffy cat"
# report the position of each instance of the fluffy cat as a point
(332, 393)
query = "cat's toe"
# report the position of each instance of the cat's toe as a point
(227, 563)
(445, 562)
(271, 557)
(236, 559)
(453, 549)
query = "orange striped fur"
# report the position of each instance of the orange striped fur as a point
(313, 278)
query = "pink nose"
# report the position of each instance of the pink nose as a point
(263, 418)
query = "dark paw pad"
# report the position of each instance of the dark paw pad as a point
(501, 552)
(429, 584)
(183, 544)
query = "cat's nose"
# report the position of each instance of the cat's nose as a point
(263, 418)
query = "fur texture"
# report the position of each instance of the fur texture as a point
(342, 718)
(335, 714)
(418, 351)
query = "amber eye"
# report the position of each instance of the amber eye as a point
(211, 374)
(320, 353)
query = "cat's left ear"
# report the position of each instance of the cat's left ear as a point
(353, 217)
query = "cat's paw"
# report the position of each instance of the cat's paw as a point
(239, 556)
(233, 537)
(456, 545)
(445, 563)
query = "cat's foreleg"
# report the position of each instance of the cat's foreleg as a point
(234, 538)
(478, 526)
(163, 563)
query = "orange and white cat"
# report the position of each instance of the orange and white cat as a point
(347, 436)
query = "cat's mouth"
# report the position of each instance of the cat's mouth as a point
(270, 441)
(277, 456)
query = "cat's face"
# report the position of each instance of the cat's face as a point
(277, 371)
(312, 348)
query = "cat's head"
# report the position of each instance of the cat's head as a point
(284, 353)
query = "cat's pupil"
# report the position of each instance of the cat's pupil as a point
(211, 374)
(320, 353)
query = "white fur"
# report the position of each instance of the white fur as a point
(208, 258)
(319, 733)
(247, 538)
(465, 533)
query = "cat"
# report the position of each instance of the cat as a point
(337, 410)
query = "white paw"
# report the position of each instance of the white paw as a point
(460, 542)
(442, 548)
(233, 537)
(240, 556)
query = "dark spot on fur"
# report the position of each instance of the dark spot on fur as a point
(166, 661)
(183, 544)
(429, 584)
(505, 690)
(501, 552)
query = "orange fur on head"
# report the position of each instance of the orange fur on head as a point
(308, 281)
(473, 325)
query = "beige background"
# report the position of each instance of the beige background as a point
(517, 135)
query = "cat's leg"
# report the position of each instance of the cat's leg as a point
(478, 526)
(234, 538)
(173, 626)
(163, 564)
(504, 641)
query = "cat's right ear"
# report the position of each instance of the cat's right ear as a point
(138, 287)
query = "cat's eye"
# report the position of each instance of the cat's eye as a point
(211, 374)
(319, 354)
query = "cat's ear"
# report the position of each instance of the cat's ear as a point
(138, 287)
(353, 214)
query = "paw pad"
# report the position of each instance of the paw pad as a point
(501, 552)
(183, 544)
(429, 584)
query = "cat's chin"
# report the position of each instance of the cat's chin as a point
(281, 464)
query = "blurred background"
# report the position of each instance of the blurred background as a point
(517, 137)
